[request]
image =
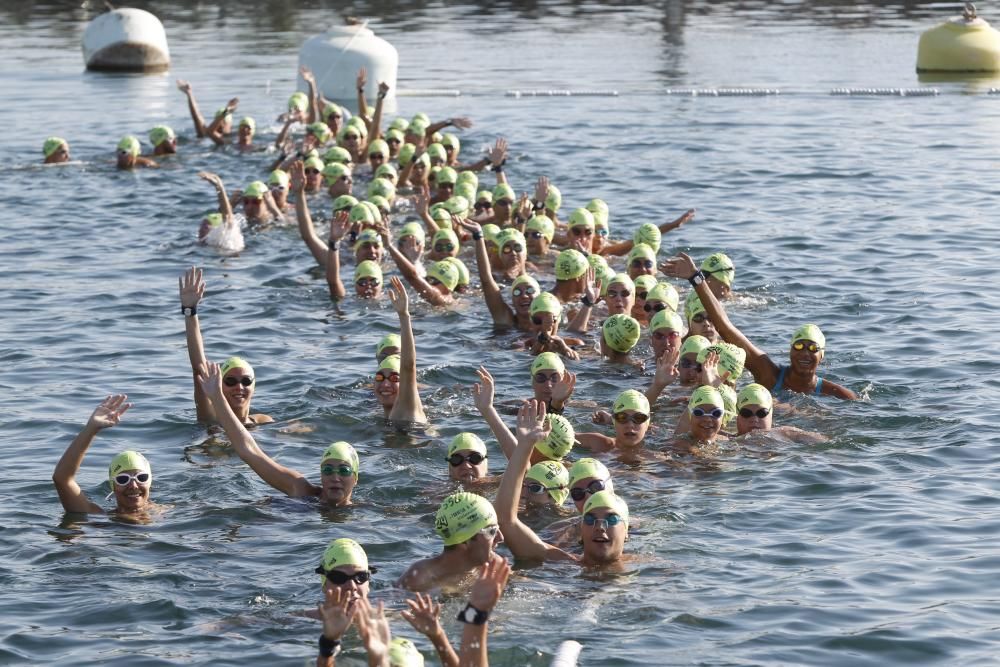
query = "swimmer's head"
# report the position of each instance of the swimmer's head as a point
(810, 332)
(705, 395)
(553, 479)
(621, 332)
(649, 234)
(331, 109)
(367, 279)
(719, 266)
(755, 407)
(548, 361)
(444, 273)
(511, 242)
(248, 123)
(437, 153)
(662, 293)
(334, 171)
(553, 199)
(641, 259)
(403, 653)
(559, 442)
(503, 193)
(236, 362)
(406, 153)
(338, 154)
(344, 203)
(444, 242)
(159, 134)
(130, 146)
(468, 177)
(446, 176)
(571, 264)
(462, 516)
(382, 188)
(542, 225)
(457, 205)
(53, 144)
(546, 303)
(414, 229)
(630, 399)
(342, 451)
(608, 500)
(299, 101)
(347, 557)
(731, 358)
(464, 277)
(279, 178)
(467, 442)
(590, 468)
(667, 320)
(255, 190)
(388, 172)
(131, 479)
(313, 163)
(450, 141)
(129, 460)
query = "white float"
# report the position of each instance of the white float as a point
(336, 56)
(126, 40)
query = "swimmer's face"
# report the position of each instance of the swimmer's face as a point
(253, 206)
(204, 229)
(133, 496)
(534, 493)
(419, 170)
(701, 325)
(542, 383)
(351, 140)
(394, 146)
(581, 237)
(664, 339)
(600, 238)
(279, 194)
(341, 186)
(748, 418)
(803, 360)
(443, 248)
(502, 209)
(445, 190)
(706, 427)
(386, 387)
(125, 159)
(493, 251)
(372, 251)
(439, 286)
(451, 157)
(690, 369)
(314, 178)
(720, 289)
(411, 246)
(641, 266)
(246, 135)
(542, 322)
(333, 122)
(376, 159)
(238, 387)
(512, 255)
(61, 154)
(620, 299)
(337, 488)
(368, 288)
(537, 243)
(353, 588)
(521, 298)
(466, 471)
(602, 542)
(627, 432)
(167, 147)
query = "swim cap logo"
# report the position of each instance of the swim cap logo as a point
(441, 525)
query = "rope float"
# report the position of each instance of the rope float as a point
(898, 92)
(722, 92)
(561, 93)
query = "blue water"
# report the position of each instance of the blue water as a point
(872, 216)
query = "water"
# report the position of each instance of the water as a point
(872, 217)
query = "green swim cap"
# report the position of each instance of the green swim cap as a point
(546, 303)
(319, 130)
(548, 361)
(554, 477)
(457, 205)
(159, 134)
(236, 362)
(399, 124)
(394, 135)
(446, 273)
(731, 358)
(559, 441)
(467, 442)
(445, 235)
(255, 190)
(630, 399)
(666, 293)
(381, 203)
(608, 500)
(588, 467)
(421, 117)
(344, 203)
(504, 191)
(490, 233)
(644, 283)
(367, 236)
(621, 279)
(403, 653)
(641, 251)
(344, 552)
(373, 209)
(605, 274)
(417, 127)
(331, 109)
(484, 196)
(437, 153)
(406, 152)
(466, 190)
(449, 139)
(382, 188)
(446, 175)
(706, 395)
(692, 305)
(335, 171)
(342, 451)
(379, 146)
(467, 177)
(667, 319)
(543, 225)
(649, 234)
(720, 267)
(52, 144)
(553, 200)
(754, 394)
(130, 145)
(279, 177)
(368, 269)
(598, 263)
(621, 332)
(571, 264)
(390, 363)
(694, 344)
(388, 172)
(414, 229)
(358, 123)
(511, 235)
(388, 340)
(600, 210)
(213, 219)
(809, 332)
(337, 154)
(128, 460)
(463, 271)
(441, 216)
(525, 279)
(462, 516)
(728, 403)
(299, 101)
(247, 121)
(581, 217)
(314, 163)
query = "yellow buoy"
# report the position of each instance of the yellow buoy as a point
(966, 43)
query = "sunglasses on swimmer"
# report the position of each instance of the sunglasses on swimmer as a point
(635, 417)
(444, 247)
(651, 307)
(802, 345)
(579, 493)
(513, 248)
(582, 231)
(747, 413)
(338, 578)
(535, 487)
(382, 377)
(534, 235)
(246, 381)
(642, 263)
(610, 520)
(125, 478)
(715, 413)
(342, 470)
(376, 156)
(475, 458)
(526, 291)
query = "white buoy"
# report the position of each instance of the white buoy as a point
(336, 56)
(567, 654)
(126, 40)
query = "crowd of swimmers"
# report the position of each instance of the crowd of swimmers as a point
(402, 197)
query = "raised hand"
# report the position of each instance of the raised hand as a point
(362, 77)
(109, 412)
(340, 224)
(681, 266)
(462, 122)
(337, 612)
(297, 177)
(532, 426)
(666, 367)
(398, 296)
(192, 287)
(561, 347)
(184, 86)
(467, 223)
(232, 104)
(562, 390)
(483, 390)
(541, 189)
(214, 179)
(307, 74)
(524, 207)
(374, 630)
(383, 88)
(210, 379)
(687, 216)
(492, 581)
(602, 417)
(592, 289)
(710, 370)
(424, 615)
(499, 152)
(420, 203)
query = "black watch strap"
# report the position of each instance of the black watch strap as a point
(473, 616)
(476, 236)
(585, 300)
(189, 311)
(328, 647)
(697, 279)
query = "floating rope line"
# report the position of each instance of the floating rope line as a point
(890, 92)
(722, 92)
(562, 93)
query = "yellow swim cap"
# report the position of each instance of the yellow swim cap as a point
(368, 236)
(490, 232)
(255, 190)
(129, 460)
(441, 216)
(466, 190)
(129, 145)
(223, 112)
(436, 152)
(451, 140)
(392, 134)
(247, 121)
(621, 332)
(542, 225)
(511, 235)
(754, 394)
(588, 467)
(462, 516)
(319, 130)
(526, 280)
(379, 146)
(298, 101)
(445, 176)
(388, 172)
(554, 477)
(810, 332)
(406, 152)
(598, 264)
(213, 219)
(344, 552)
(666, 293)
(630, 399)
(331, 109)
(368, 269)
(445, 235)
(548, 361)
(608, 500)
(361, 213)
(236, 362)
(468, 177)
(546, 303)
(382, 187)
(504, 191)
(344, 203)
(279, 177)
(694, 344)
(388, 340)
(414, 229)
(342, 451)
(445, 273)
(484, 196)
(560, 439)
(731, 358)
(463, 270)
(339, 155)
(403, 653)
(645, 283)
(649, 234)
(314, 163)
(52, 144)
(600, 211)
(581, 217)
(467, 442)
(553, 200)
(334, 171)
(720, 267)
(399, 124)
(667, 319)
(706, 395)
(571, 264)
(457, 205)
(623, 280)
(390, 363)
(641, 251)
(692, 305)
(159, 134)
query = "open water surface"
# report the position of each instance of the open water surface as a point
(874, 217)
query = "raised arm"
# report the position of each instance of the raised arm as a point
(482, 393)
(196, 117)
(72, 497)
(192, 289)
(286, 480)
(314, 107)
(420, 207)
(498, 156)
(407, 407)
(225, 206)
(279, 143)
(338, 229)
(361, 81)
(591, 296)
(425, 616)
(666, 374)
(375, 131)
(503, 315)
(519, 538)
(218, 120)
(409, 272)
(686, 216)
(461, 122)
(483, 597)
(297, 184)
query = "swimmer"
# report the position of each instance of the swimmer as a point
(225, 214)
(662, 296)
(367, 274)
(586, 477)
(630, 417)
(545, 484)
(127, 155)
(539, 231)
(55, 150)
(277, 184)
(604, 521)
(720, 271)
(618, 292)
(321, 251)
(443, 244)
(339, 179)
(130, 474)
(444, 181)
(755, 413)
(705, 412)
(411, 242)
(698, 321)
(244, 138)
(641, 261)
(395, 383)
(580, 231)
(546, 312)
(573, 274)
(807, 348)
(221, 124)
(513, 254)
(164, 140)
(666, 332)
(339, 464)
(258, 205)
(467, 458)
(619, 335)
(642, 235)
(643, 285)
(467, 524)
(237, 374)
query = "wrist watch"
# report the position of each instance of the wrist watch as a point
(585, 300)
(697, 279)
(189, 311)
(328, 647)
(473, 616)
